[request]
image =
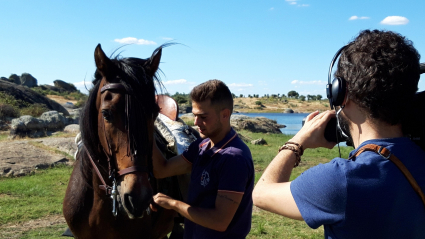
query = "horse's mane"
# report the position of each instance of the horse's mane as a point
(142, 107)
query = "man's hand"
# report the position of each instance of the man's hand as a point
(164, 201)
(312, 134)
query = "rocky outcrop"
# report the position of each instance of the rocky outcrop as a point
(259, 141)
(28, 80)
(63, 85)
(255, 124)
(14, 78)
(52, 88)
(47, 123)
(29, 96)
(288, 111)
(184, 108)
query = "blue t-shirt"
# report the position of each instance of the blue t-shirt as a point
(365, 198)
(227, 166)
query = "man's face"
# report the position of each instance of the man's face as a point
(207, 118)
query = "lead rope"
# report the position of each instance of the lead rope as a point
(384, 152)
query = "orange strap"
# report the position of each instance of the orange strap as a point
(388, 155)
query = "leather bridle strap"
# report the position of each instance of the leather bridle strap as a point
(112, 86)
(133, 169)
(384, 152)
(104, 186)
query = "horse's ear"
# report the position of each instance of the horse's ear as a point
(103, 63)
(153, 62)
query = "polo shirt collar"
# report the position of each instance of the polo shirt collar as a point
(220, 145)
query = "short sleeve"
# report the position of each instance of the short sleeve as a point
(234, 174)
(191, 153)
(321, 194)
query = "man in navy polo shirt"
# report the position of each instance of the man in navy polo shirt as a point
(220, 191)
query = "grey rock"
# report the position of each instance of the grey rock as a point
(53, 120)
(21, 173)
(42, 166)
(183, 109)
(61, 161)
(64, 85)
(255, 124)
(69, 105)
(14, 78)
(28, 80)
(259, 141)
(6, 170)
(288, 110)
(26, 123)
(52, 88)
(72, 128)
(10, 174)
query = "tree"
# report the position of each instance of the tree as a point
(293, 94)
(302, 98)
(318, 97)
(234, 96)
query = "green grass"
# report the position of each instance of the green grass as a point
(34, 196)
(41, 195)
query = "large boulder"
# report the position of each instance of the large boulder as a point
(64, 85)
(54, 120)
(27, 126)
(28, 80)
(255, 124)
(14, 78)
(4, 78)
(52, 88)
(29, 96)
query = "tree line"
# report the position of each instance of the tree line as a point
(183, 98)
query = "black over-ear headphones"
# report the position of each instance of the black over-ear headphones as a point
(337, 88)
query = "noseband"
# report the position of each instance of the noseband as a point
(113, 173)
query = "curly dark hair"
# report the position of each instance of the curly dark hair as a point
(382, 73)
(216, 91)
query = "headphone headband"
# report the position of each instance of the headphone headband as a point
(333, 62)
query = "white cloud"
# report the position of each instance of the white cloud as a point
(357, 18)
(168, 38)
(304, 5)
(293, 3)
(175, 82)
(395, 20)
(271, 9)
(133, 40)
(314, 82)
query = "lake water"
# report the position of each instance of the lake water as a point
(293, 122)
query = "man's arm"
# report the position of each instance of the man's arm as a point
(272, 192)
(163, 168)
(217, 218)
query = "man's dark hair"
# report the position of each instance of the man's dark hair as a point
(216, 91)
(382, 73)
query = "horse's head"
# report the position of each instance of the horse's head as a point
(123, 110)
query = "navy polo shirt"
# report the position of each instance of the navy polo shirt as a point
(228, 167)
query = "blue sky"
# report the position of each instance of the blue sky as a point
(255, 47)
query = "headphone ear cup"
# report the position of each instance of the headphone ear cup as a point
(339, 89)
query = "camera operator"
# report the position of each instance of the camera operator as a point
(367, 196)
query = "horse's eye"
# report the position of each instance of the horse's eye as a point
(106, 114)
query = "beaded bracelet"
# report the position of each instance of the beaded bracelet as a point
(297, 151)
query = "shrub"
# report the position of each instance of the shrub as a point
(258, 102)
(8, 111)
(34, 110)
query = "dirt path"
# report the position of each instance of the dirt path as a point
(15, 230)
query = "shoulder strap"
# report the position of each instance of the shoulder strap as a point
(384, 152)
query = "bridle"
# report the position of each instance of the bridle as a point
(113, 173)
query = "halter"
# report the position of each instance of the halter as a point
(113, 173)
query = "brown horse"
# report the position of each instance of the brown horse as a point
(112, 185)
